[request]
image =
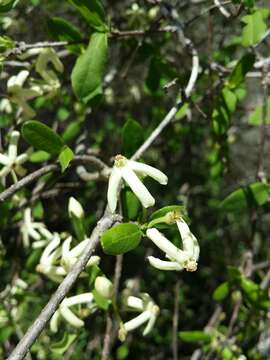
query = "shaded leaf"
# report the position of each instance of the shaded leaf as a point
(65, 157)
(132, 137)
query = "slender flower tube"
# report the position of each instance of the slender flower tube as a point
(12, 161)
(179, 259)
(65, 312)
(129, 171)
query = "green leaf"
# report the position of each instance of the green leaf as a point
(39, 156)
(166, 209)
(254, 293)
(253, 29)
(132, 137)
(121, 239)
(256, 194)
(195, 336)
(131, 204)
(88, 72)
(243, 66)
(42, 137)
(62, 346)
(65, 157)
(256, 117)
(93, 12)
(7, 5)
(71, 131)
(63, 30)
(221, 291)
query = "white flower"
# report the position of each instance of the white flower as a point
(129, 170)
(11, 161)
(104, 287)
(149, 312)
(65, 312)
(178, 259)
(20, 95)
(57, 260)
(75, 208)
(70, 257)
(34, 230)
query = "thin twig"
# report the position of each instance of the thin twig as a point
(187, 92)
(46, 169)
(39, 324)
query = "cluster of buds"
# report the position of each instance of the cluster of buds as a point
(57, 259)
(148, 315)
(177, 259)
(130, 171)
(34, 230)
(48, 85)
(12, 162)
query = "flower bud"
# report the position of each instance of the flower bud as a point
(104, 287)
(75, 208)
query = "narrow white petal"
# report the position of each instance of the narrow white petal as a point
(21, 159)
(164, 265)
(165, 245)
(49, 249)
(135, 303)
(190, 243)
(78, 249)
(33, 233)
(54, 321)
(152, 320)
(21, 77)
(94, 260)
(138, 187)
(13, 145)
(70, 317)
(66, 248)
(5, 171)
(78, 299)
(113, 187)
(4, 160)
(144, 169)
(137, 321)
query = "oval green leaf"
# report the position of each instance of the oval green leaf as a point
(87, 74)
(41, 137)
(121, 239)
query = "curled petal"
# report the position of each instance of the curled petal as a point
(5, 171)
(114, 184)
(138, 187)
(135, 303)
(137, 321)
(70, 317)
(48, 252)
(4, 160)
(144, 169)
(190, 243)
(165, 245)
(78, 299)
(154, 311)
(164, 265)
(54, 321)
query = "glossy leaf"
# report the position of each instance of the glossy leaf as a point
(65, 157)
(87, 74)
(121, 239)
(42, 137)
(93, 12)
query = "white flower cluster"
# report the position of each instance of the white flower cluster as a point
(178, 259)
(57, 259)
(148, 315)
(102, 285)
(34, 230)
(12, 162)
(48, 85)
(130, 171)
